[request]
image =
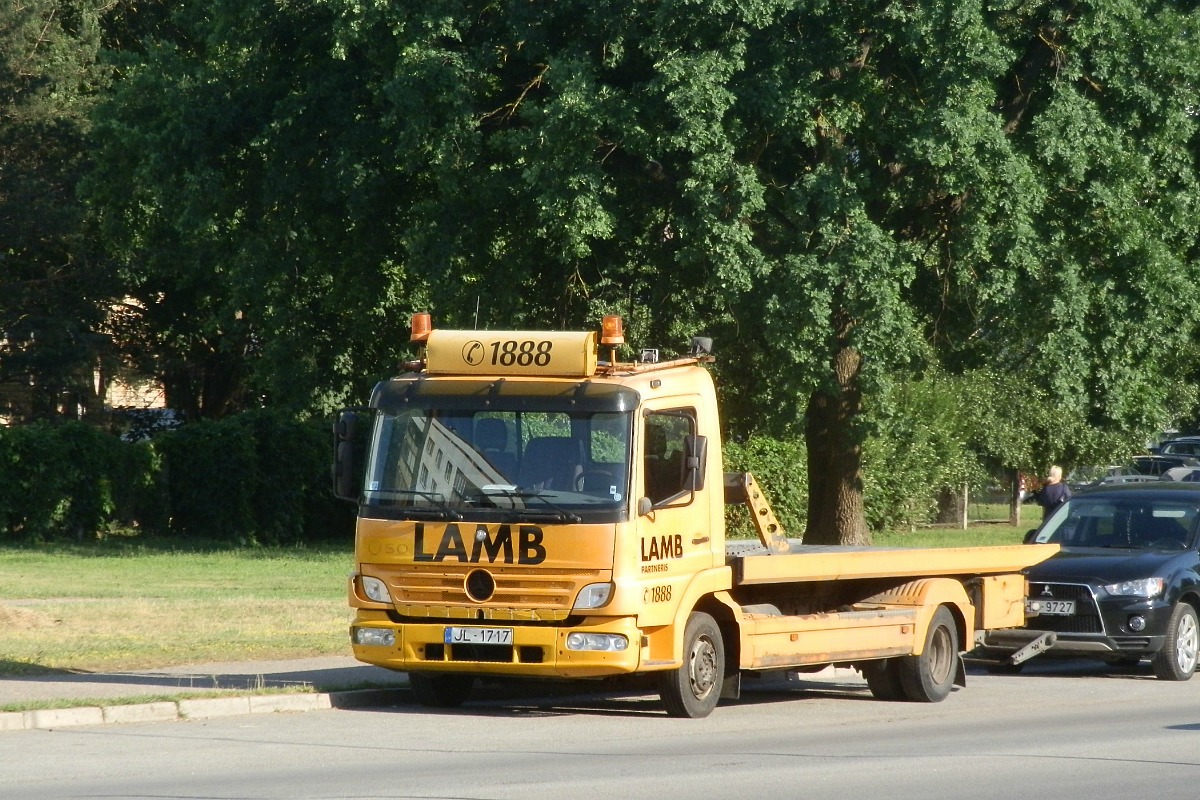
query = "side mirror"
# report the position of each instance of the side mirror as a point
(345, 457)
(346, 426)
(1029, 536)
(695, 453)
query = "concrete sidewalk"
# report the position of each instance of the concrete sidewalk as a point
(336, 681)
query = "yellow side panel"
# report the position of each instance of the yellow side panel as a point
(1001, 602)
(774, 642)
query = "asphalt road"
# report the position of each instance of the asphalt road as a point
(1059, 731)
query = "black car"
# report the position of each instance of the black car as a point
(1124, 586)
(1183, 445)
(1161, 463)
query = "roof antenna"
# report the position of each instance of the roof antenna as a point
(476, 312)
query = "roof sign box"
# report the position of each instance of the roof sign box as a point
(543, 353)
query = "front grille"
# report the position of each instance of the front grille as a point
(1086, 618)
(520, 592)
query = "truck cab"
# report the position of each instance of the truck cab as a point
(529, 509)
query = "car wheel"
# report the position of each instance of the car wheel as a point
(929, 677)
(1177, 659)
(692, 691)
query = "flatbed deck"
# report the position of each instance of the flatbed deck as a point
(752, 563)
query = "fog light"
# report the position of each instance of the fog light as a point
(375, 637)
(1137, 623)
(603, 642)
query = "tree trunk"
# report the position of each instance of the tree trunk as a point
(951, 507)
(835, 487)
(1014, 498)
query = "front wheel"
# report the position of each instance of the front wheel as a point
(1177, 659)
(929, 677)
(441, 691)
(693, 690)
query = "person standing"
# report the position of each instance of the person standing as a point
(1054, 493)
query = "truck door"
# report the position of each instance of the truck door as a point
(674, 534)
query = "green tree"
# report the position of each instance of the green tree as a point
(850, 194)
(55, 287)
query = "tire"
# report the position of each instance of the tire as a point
(929, 677)
(1177, 659)
(883, 679)
(692, 691)
(441, 691)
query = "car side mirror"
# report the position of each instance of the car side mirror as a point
(345, 456)
(695, 452)
(1030, 535)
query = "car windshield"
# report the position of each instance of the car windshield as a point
(1138, 522)
(497, 465)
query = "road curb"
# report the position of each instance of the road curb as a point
(196, 709)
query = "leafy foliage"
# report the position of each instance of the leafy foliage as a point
(778, 466)
(54, 285)
(252, 479)
(862, 196)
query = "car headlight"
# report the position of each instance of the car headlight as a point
(376, 589)
(1146, 587)
(594, 595)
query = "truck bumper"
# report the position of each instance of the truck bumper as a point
(536, 650)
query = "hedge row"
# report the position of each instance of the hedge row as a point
(263, 478)
(255, 478)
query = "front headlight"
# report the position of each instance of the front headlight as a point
(376, 589)
(594, 595)
(1146, 587)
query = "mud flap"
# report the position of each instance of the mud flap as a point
(731, 687)
(960, 674)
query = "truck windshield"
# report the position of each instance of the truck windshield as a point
(1132, 522)
(521, 465)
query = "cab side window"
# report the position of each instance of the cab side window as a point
(665, 432)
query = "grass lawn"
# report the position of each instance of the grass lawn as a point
(108, 608)
(121, 606)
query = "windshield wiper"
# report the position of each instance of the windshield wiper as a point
(553, 512)
(439, 510)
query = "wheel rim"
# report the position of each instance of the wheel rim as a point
(941, 660)
(702, 667)
(1187, 643)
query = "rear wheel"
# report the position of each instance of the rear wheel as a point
(1177, 659)
(441, 691)
(928, 678)
(883, 679)
(694, 689)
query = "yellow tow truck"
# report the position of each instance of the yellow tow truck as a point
(530, 506)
